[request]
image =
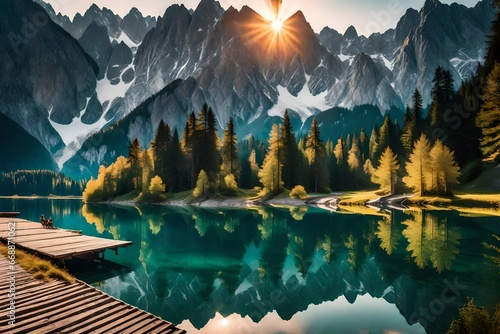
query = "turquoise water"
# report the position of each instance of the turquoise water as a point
(287, 271)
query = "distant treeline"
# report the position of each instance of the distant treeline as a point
(39, 182)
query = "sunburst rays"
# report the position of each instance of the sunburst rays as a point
(276, 38)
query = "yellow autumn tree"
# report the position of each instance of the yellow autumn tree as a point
(202, 185)
(230, 182)
(386, 173)
(444, 171)
(156, 186)
(270, 173)
(417, 167)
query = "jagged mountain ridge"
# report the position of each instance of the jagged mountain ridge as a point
(134, 25)
(226, 67)
(218, 54)
(231, 68)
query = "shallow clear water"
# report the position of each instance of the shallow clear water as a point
(286, 271)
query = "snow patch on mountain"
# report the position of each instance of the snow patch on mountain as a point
(305, 103)
(346, 57)
(106, 91)
(466, 65)
(389, 64)
(125, 39)
(74, 134)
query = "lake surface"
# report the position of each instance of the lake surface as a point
(287, 271)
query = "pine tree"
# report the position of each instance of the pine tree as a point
(339, 167)
(364, 145)
(444, 172)
(202, 185)
(291, 174)
(160, 146)
(412, 129)
(384, 135)
(386, 173)
(417, 114)
(418, 166)
(373, 146)
(147, 168)
(254, 167)
(437, 95)
(488, 118)
(206, 154)
(442, 93)
(316, 155)
(187, 144)
(493, 55)
(407, 117)
(134, 156)
(339, 152)
(354, 155)
(174, 164)
(270, 174)
(229, 152)
(354, 161)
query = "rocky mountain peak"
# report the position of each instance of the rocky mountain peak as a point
(430, 5)
(351, 33)
(95, 42)
(409, 21)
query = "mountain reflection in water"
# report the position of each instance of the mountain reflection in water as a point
(270, 270)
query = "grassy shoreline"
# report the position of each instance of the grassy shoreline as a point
(41, 269)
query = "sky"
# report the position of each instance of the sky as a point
(367, 16)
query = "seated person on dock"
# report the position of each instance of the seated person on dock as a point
(46, 223)
(49, 223)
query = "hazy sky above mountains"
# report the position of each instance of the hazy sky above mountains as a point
(366, 15)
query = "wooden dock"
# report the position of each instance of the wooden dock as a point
(60, 307)
(9, 214)
(55, 243)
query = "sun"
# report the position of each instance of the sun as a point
(277, 25)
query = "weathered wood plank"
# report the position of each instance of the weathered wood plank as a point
(75, 323)
(131, 320)
(140, 326)
(42, 237)
(9, 214)
(56, 243)
(50, 242)
(53, 315)
(23, 295)
(84, 324)
(118, 320)
(101, 326)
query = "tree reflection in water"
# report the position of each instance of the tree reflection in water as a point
(195, 263)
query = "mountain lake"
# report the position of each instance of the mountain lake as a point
(286, 270)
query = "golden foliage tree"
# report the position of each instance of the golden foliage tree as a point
(202, 185)
(230, 182)
(488, 118)
(386, 173)
(444, 171)
(270, 173)
(156, 186)
(417, 167)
